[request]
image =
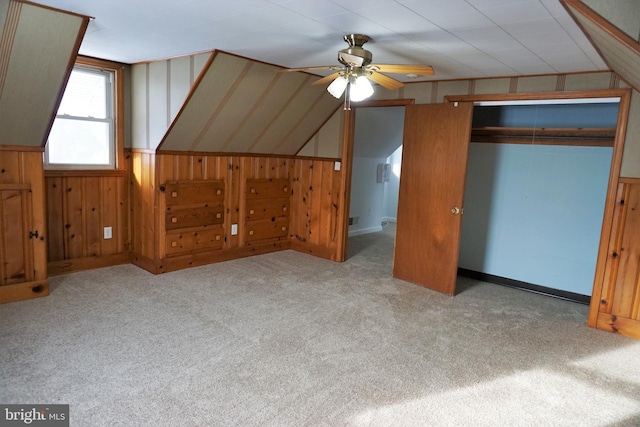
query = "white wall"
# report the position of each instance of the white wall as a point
(366, 196)
(534, 213)
(391, 188)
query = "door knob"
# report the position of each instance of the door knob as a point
(456, 210)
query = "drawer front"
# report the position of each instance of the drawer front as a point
(268, 188)
(260, 230)
(176, 217)
(267, 208)
(192, 192)
(186, 241)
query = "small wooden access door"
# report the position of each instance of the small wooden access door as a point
(17, 268)
(434, 165)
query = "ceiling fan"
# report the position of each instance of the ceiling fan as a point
(356, 70)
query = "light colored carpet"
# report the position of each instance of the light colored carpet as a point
(286, 339)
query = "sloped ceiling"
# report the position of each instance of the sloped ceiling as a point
(619, 50)
(378, 131)
(38, 47)
(624, 14)
(239, 105)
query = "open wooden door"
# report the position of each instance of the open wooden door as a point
(434, 165)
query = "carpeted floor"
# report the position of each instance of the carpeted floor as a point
(286, 339)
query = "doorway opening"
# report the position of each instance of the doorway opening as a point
(375, 177)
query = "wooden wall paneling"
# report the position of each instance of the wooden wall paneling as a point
(74, 218)
(328, 205)
(619, 305)
(300, 200)
(9, 167)
(197, 166)
(315, 203)
(108, 215)
(92, 207)
(611, 265)
(626, 299)
(143, 201)
(55, 218)
(235, 203)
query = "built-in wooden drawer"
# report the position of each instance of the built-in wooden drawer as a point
(266, 208)
(265, 229)
(194, 240)
(268, 188)
(194, 216)
(192, 192)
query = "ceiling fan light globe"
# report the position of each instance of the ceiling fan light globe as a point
(361, 89)
(338, 86)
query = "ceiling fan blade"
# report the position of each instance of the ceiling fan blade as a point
(420, 70)
(327, 79)
(320, 67)
(385, 81)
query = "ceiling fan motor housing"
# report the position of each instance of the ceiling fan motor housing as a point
(355, 55)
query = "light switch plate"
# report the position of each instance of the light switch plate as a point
(336, 166)
(234, 229)
(108, 233)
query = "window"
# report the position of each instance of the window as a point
(84, 134)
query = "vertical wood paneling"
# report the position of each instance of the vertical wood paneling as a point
(9, 170)
(92, 208)
(313, 213)
(74, 218)
(143, 219)
(55, 218)
(315, 203)
(109, 210)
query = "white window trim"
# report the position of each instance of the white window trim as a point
(110, 119)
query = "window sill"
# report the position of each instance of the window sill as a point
(84, 172)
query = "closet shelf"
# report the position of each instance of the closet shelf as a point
(545, 136)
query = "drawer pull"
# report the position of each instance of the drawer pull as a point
(219, 192)
(218, 237)
(174, 244)
(252, 191)
(284, 209)
(250, 232)
(251, 212)
(174, 194)
(174, 220)
(218, 215)
(284, 228)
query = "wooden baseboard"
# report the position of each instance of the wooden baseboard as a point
(203, 258)
(79, 264)
(23, 291)
(144, 263)
(619, 325)
(315, 250)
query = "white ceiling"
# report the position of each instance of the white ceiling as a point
(459, 38)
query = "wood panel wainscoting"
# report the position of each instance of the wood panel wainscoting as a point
(80, 204)
(619, 298)
(192, 209)
(23, 259)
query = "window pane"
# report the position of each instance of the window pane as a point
(79, 142)
(85, 95)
